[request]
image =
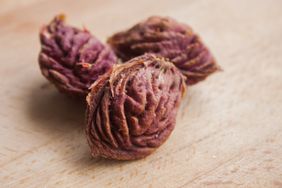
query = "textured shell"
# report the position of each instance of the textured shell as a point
(132, 110)
(71, 58)
(170, 39)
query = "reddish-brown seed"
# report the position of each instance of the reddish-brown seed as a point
(170, 39)
(72, 58)
(132, 109)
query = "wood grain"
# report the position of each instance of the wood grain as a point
(229, 128)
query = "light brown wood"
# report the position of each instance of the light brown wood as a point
(229, 128)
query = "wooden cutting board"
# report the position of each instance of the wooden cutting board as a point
(229, 128)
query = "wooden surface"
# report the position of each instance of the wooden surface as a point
(229, 128)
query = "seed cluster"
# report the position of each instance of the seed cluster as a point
(132, 105)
